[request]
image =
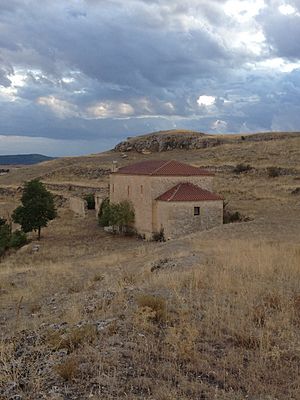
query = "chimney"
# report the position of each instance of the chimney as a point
(114, 167)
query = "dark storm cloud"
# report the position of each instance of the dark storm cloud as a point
(88, 69)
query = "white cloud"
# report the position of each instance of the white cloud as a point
(219, 125)
(278, 64)
(62, 108)
(205, 100)
(243, 10)
(287, 9)
(111, 109)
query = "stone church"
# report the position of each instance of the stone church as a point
(168, 195)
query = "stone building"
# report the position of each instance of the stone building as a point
(168, 195)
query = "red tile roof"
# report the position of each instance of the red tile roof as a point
(162, 168)
(188, 192)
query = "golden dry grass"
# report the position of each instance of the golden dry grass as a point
(224, 326)
(86, 317)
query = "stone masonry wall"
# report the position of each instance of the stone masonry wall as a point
(98, 202)
(160, 184)
(177, 218)
(78, 206)
(137, 189)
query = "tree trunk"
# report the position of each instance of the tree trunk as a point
(39, 233)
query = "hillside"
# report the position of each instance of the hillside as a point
(23, 159)
(212, 315)
(163, 141)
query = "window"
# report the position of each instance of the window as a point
(196, 210)
(142, 189)
(127, 190)
(113, 188)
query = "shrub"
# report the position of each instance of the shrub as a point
(90, 199)
(156, 304)
(159, 236)
(5, 235)
(240, 168)
(273, 172)
(231, 216)
(104, 213)
(18, 239)
(68, 369)
(2, 221)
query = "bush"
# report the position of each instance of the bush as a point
(231, 216)
(159, 236)
(273, 172)
(9, 239)
(68, 369)
(18, 239)
(156, 304)
(104, 213)
(240, 168)
(2, 221)
(90, 199)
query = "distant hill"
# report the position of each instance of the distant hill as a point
(24, 159)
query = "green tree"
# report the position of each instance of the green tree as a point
(37, 207)
(125, 215)
(104, 213)
(119, 215)
(5, 235)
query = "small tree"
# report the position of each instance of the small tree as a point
(5, 235)
(119, 215)
(37, 207)
(104, 213)
(125, 215)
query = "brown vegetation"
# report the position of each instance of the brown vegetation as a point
(92, 316)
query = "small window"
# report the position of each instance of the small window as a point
(128, 190)
(113, 188)
(142, 189)
(196, 210)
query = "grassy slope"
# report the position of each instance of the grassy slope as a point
(220, 319)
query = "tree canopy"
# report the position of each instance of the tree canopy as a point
(37, 207)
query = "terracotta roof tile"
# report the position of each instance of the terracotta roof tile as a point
(163, 168)
(188, 192)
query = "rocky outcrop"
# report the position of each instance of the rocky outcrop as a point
(190, 140)
(162, 141)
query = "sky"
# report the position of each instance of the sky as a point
(79, 76)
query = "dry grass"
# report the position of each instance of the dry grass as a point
(223, 328)
(86, 317)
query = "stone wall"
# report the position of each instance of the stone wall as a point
(177, 218)
(98, 202)
(78, 206)
(160, 184)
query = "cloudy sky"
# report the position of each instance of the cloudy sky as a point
(78, 76)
